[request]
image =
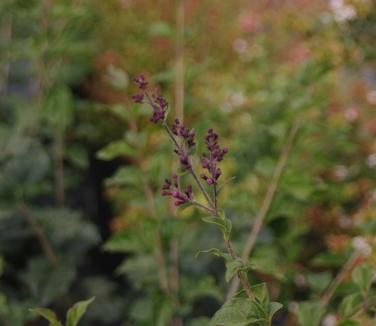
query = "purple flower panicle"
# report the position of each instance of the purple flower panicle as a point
(180, 197)
(157, 102)
(178, 129)
(210, 160)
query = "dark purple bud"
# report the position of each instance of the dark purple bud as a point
(188, 192)
(179, 202)
(175, 180)
(141, 82)
(166, 193)
(161, 102)
(175, 127)
(166, 185)
(138, 98)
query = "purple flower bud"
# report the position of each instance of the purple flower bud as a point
(210, 181)
(141, 82)
(161, 102)
(166, 193)
(188, 191)
(166, 185)
(179, 202)
(175, 194)
(175, 180)
(138, 98)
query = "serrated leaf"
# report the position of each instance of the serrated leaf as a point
(75, 313)
(350, 304)
(48, 315)
(363, 277)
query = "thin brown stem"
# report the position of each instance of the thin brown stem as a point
(39, 234)
(206, 208)
(265, 206)
(346, 268)
(241, 276)
(202, 188)
(159, 252)
(58, 155)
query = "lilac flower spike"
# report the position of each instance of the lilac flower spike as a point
(157, 102)
(210, 160)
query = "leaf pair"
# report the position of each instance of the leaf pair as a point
(74, 314)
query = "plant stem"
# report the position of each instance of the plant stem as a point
(202, 188)
(159, 252)
(196, 203)
(39, 234)
(242, 277)
(253, 235)
(346, 268)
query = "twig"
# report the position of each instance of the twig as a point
(39, 234)
(159, 252)
(241, 276)
(58, 156)
(252, 237)
(346, 268)
(202, 188)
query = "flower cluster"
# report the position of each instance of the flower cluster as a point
(157, 102)
(178, 129)
(183, 140)
(210, 161)
(172, 188)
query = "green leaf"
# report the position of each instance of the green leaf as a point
(115, 149)
(47, 314)
(75, 313)
(239, 312)
(350, 304)
(222, 222)
(319, 281)
(309, 313)
(126, 176)
(363, 277)
(349, 322)
(260, 291)
(273, 308)
(215, 252)
(232, 267)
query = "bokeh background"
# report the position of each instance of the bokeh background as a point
(288, 85)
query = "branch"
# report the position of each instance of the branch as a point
(346, 268)
(252, 237)
(39, 234)
(159, 253)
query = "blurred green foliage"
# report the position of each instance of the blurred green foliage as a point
(252, 71)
